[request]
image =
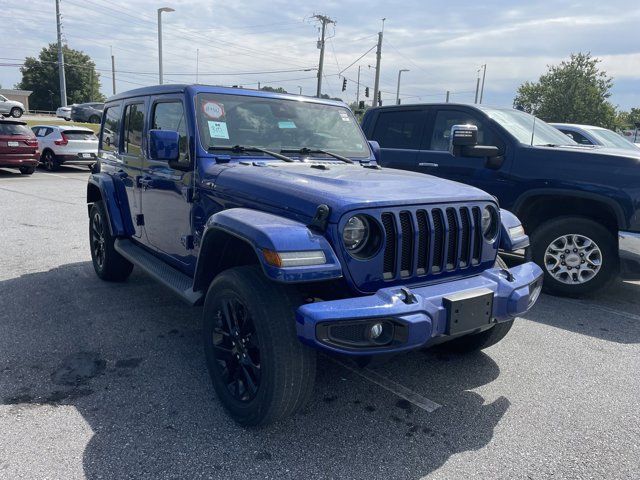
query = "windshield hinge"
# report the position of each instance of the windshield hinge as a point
(320, 219)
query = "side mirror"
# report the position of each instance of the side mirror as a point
(463, 142)
(375, 148)
(164, 145)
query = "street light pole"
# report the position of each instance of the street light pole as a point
(160, 10)
(398, 90)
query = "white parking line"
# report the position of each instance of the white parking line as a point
(393, 387)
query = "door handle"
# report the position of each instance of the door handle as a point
(427, 164)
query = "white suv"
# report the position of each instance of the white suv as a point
(66, 144)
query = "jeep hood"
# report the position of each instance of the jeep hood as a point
(301, 187)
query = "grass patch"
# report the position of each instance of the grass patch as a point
(93, 126)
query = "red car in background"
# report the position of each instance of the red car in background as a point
(18, 147)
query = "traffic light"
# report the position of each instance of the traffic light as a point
(344, 84)
(379, 98)
(361, 105)
(366, 92)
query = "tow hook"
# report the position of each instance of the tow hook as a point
(407, 297)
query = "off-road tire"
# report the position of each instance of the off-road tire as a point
(545, 234)
(27, 170)
(111, 266)
(287, 367)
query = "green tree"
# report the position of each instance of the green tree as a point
(628, 120)
(575, 91)
(41, 76)
(274, 90)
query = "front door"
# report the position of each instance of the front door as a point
(434, 157)
(167, 191)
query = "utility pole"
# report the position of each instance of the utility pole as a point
(447, 100)
(113, 72)
(376, 84)
(358, 87)
(63, 82)
(477, 86)
(484, 74)
(398, 90)
(325, 21)
(160, 10)
(197, 62)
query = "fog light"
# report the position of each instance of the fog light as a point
(375, 331)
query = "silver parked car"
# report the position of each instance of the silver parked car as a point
(66, 144)
(10, 107)
(591, 135)
(64, 112)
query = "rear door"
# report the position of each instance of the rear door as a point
(399, 133)
(81, 142)
(132, 157)
(166, 191)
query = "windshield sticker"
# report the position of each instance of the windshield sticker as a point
(344, 116)
(213, 110)
(218, 129)
(286, 124)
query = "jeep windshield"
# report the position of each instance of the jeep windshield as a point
(528, 129)
(278, 125)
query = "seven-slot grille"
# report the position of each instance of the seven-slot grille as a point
(425, 241)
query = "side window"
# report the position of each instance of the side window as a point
(445, 119)
(399, 129)
(170, 116)
(133, 127)
(578, 137)
(110, 133)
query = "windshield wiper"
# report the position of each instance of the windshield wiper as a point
(242, 149)
(308, 151)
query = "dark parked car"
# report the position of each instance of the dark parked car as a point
(581, 205)
(87, 112)
(18, 147)
(270, 210)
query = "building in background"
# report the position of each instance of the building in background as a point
(21, 96)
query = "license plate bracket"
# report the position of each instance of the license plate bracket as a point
(468, 310)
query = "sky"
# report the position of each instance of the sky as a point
(442, 43)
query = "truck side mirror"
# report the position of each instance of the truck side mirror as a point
(463, 142)
(164, 145)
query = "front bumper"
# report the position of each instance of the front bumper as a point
(629, 251)
(424, 319)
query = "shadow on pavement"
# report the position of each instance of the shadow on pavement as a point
(128, 358)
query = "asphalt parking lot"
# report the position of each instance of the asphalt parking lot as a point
(103, 380)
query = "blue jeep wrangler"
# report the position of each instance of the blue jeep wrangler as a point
(580, 204)
(271, 211)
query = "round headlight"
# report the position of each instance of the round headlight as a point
(355, 233)
(489, 223)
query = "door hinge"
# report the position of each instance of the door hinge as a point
(139, 219)
(187, 241)
(190, 194)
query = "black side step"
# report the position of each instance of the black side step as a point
(171, 278)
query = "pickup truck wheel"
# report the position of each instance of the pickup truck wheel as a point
(578, 256)
(260, 371)
(107, 262)
(479, 341)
